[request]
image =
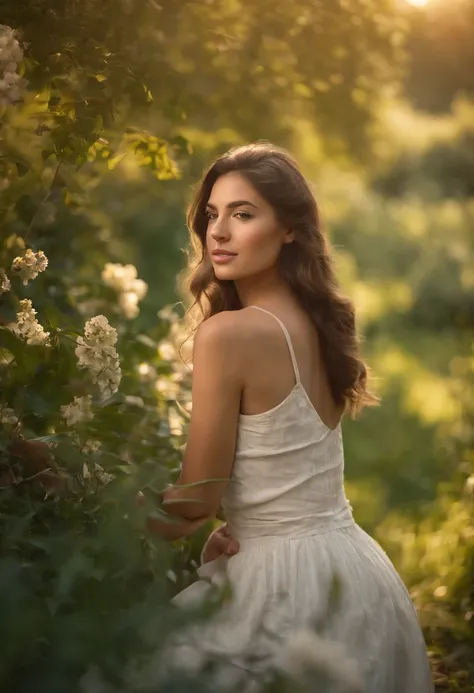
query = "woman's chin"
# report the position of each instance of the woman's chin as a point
(225, 273)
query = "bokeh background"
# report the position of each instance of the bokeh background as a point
(117, 109)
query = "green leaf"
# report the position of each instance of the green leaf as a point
(22, 167)
(70, 455)
(12, 343)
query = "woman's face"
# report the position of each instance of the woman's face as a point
(244, 238)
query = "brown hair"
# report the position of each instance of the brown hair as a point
(305, 264)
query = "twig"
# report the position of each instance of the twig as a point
(28, 478)
(43, 201)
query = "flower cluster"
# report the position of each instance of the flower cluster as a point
(8, 416)
(11, 83)
(30, 265)
(27, 327)
(79, 410)
(5, 283)
(91, 446)
(130, 290)
(97, 353)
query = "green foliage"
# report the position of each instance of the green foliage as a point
(201, 59)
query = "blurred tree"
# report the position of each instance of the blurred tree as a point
(444, 169)
(441, 54)
(213, 63)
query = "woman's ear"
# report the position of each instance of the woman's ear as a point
(289, 236)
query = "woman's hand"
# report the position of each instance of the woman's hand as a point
(220, 542)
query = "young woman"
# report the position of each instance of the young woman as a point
(275, 367)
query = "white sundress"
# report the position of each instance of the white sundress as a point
(285, 504)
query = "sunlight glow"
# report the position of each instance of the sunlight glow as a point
(418, 3)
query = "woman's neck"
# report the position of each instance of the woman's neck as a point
(263, 290)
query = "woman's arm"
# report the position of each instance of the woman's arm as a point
(170, 528)
(174, 529)
(216, 394)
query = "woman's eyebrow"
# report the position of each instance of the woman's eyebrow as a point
(233, 205)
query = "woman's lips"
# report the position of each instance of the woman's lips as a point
(222, 256)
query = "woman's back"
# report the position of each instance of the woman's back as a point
(287, 478)
(273, 358)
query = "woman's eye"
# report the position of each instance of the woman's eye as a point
(243, 215)
(210, 215)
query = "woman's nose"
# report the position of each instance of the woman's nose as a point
(220, 230)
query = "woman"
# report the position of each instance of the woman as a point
(275, 366)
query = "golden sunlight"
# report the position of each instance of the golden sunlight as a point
(418, 3)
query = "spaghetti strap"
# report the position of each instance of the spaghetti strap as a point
(288, 341)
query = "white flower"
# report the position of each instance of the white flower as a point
(27, 327)
(469, 486)
(11, 54)
(91, 446)
(8, 416)
(167, 313)
(140, 288)
(30, 265)
(130, 290)
(134, 401)
(78, 411)
(96, 352)
(166, 350)
(103, 476)
(5, 284)
(119, 277)
(146, 371)
(308, 653)
(128, 302)
(167, 387)
(98, 331)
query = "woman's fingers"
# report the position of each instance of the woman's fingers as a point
(232, 547)
(225, 543)
(220, 543)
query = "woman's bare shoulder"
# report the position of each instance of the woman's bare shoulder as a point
(236, 324)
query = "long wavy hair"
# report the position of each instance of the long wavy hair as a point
(305, 264)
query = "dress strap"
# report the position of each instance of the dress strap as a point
(288, 341)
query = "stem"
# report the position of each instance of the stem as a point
(28, 478)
